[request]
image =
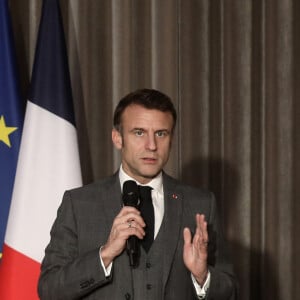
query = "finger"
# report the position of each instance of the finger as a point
(137, 220)
(201, 229)
(138, 232)
(187, 236)
(200, 240)
(128, 209)
(130, 216)
(135, 225)
(131, 228)
(127, 223)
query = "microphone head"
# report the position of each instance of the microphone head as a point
(130, 193)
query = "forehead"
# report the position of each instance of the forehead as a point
(137, 116)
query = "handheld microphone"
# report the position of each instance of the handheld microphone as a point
(131, 198)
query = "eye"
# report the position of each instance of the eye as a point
(139, 132)
(162, 133)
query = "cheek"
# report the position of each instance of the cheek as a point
(131, 148)
(136, 145)
(165, 148)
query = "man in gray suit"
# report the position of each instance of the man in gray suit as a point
(87, 258)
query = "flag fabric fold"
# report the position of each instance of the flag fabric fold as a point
(48, 161)
(11, 116)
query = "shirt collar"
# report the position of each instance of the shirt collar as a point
(155, 183)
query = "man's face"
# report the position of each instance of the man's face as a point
(144, 141)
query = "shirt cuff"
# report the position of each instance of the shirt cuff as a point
(201, 291)
(107, 271)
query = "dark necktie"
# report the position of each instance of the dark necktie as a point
(147, 212)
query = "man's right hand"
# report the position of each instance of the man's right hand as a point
(128, 222)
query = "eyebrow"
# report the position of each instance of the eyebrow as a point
(138, 128)
(143, 129)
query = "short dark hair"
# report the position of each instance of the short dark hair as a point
(148, 98)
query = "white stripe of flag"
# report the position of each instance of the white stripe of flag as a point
(48, 165)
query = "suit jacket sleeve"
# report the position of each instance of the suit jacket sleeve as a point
(65, 272)
(223, 284)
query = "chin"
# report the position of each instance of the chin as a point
(150, 174)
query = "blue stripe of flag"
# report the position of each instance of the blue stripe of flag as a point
(50, 82)
(11, 116)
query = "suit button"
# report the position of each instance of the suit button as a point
(148, 265)
(84, 284)
(127, 296)
(149, 286)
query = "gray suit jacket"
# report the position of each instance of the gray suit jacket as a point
(71, 267)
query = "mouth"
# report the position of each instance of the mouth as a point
(149, 160)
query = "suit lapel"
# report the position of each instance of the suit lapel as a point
(112, 195)
(111, 208)
(173, 221)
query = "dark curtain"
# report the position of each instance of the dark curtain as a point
(231, 68)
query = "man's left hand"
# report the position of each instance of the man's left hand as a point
(195, 250)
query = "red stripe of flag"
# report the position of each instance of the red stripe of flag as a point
(21, 285)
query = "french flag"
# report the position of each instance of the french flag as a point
(48, 161)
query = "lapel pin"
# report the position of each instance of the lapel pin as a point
(174, 196)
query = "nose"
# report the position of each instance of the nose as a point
(151, 142)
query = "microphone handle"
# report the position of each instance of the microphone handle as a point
(130, 197)
(132, 247)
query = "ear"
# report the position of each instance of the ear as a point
(116, 138)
